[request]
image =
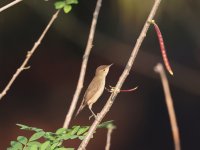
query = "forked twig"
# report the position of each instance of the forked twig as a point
(122, 78)
(9, 5)
(84, 65)
(28, 56)
(169, 102)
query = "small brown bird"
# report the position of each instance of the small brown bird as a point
(95, 88)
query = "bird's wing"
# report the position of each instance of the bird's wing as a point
(92, 89)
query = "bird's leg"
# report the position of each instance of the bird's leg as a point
(93, 114)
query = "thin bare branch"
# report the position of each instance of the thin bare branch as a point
(108, 141)
(122, 78)
(169, 102)
(9, 5)
(28, 56)
(83, 66)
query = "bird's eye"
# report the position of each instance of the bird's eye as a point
(104, 69)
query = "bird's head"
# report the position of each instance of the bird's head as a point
(103, 70)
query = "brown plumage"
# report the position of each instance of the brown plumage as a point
(95, 88)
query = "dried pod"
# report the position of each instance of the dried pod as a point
(162, 48)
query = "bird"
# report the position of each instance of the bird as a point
(95, 88)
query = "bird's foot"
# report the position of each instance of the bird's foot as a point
(112, 89)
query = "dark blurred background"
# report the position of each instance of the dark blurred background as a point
(41, 96)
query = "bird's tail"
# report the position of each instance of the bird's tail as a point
(79, 110)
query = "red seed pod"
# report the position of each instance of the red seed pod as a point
(162, 48)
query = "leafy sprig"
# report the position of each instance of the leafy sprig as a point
(52, 140)
(66, 5)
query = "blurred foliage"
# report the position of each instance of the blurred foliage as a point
(53, 140)
(66, 5)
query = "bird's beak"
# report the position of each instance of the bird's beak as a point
(110, 65)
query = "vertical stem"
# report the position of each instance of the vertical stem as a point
(169, 102)
(122, 78)
(9, 5)
(28, 56)
(108, 141)
(83, 66)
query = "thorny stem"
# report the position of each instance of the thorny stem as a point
(28, 56)
(122, 78)
(169, 102)
(83, 66)
(9, 5)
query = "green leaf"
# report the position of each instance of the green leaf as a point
(62, 148)
(105, 124)
(74, 130)
(22, 139)
(82, 130)
(73, 137)
(27, 148)
(45, 145)
(71, 1)
(59, 4)
(25, 127)
(81, 137)
(37, 136)
(34, 147)
(54, 145)
(70, 148)
(64, 137)
(36, 129)
(67, 8)
(50, 136)
(34, 143)
(16, 145)
(85, 133)
(61, 131)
